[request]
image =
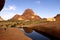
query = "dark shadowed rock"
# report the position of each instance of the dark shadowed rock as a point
(51, 28)
(28, 29)
(2, 2)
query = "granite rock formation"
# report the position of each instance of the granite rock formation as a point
(27, 15)
(30, 15)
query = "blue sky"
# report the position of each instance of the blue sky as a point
(43, 8)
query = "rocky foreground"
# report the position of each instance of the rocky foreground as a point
(51, 28)
(12, 34)
(48, 28)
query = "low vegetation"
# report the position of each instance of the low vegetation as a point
(6, 24)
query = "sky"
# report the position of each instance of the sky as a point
(43, 8)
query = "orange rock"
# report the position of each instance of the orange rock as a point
(13, 34)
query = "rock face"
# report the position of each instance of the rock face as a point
(30, 15)
(51, 29)
(1, 19)
(57, 18)
(27, 15)
(12, 34)
(17, 17)
(28, 12)
(2, 2)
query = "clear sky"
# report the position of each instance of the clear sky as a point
(43, 8)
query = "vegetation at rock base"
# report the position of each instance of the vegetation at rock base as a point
(6, 24)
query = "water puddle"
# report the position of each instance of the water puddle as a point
(35, 36)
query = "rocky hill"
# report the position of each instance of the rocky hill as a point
(57, 17)
(30, 15)
(15, 17)
(18, 17)
(27, 15)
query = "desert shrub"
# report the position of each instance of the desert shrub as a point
(28, 23)
(13, 25)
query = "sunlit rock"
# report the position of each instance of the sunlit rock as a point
(20, 19)
(51, 19)
(1, 18)
(33, 17)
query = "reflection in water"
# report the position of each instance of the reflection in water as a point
(28, 30)
(35, 36)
